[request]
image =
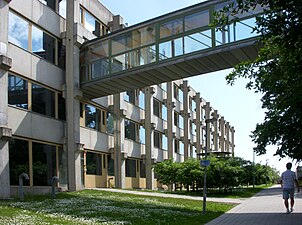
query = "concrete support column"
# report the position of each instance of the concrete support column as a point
(227, 132)
(208, 131)
(222, 134)
(149, 132)
(5, 132)
(119, 135)
(232, 130)
(215, 133)
(170, 116)
(186, 116)
(198, 124)
(72, 103)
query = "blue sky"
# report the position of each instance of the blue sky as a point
(239, 106)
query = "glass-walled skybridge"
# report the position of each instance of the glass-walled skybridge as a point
(170, 47)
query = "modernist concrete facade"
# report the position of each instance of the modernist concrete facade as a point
(49, 129)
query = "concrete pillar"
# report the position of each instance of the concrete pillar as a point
(232, 130)
(227, 132)
(149, 132)
(5, 132)
(186, 116)
(222, 134)
(215, 133)
(198, 124)
(208, 131)
(119, 135)
(170, 116)
(72, 103)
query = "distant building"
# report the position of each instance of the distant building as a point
(49, 129)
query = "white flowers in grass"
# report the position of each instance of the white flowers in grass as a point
(92, 208)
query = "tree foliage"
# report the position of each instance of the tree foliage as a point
(222, 173)
(276, 73)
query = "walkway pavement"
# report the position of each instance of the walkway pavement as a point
(265, 208)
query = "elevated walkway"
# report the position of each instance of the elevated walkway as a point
(177, 45)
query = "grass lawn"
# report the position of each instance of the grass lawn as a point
(98, 207)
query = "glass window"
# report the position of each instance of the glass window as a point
(130, 168)
(43, 100)
(181, 122)
(63, 163)
(44, 164)
(176, 91)
(197, 41)
(156, 108)
(142, 169)
(176, 118)
(91, 24)
(142, 135)
(61, 107)
(62, 8)
(164, 113)
(130, 130)
(176, 146)
(157, 140)
(43, 44)
(17, 92)
(110, 162)
(93, 163)
(18, 31)
(18, 160)
(165, 142)
(171, 28)
(110, 123)
(50, 3)
(197, 20)
(141, 100)
(90, 116)
(181, 148)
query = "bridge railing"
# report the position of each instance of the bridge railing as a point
(173, 35)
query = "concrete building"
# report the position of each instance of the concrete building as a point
(47, 127)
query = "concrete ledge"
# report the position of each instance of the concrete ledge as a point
(5, 62)
(5, 132)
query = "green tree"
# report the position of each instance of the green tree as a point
(275, 73)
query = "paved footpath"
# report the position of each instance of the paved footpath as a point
(265, 208)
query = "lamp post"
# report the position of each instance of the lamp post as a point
(205, 168)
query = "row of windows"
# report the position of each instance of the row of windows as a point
(57, 5)
(95, 163)
(31, 38)
(40, 161)
(92, 24)
(35, 98)
(134, 131)
(97, 119)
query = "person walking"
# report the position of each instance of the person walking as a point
(288, 182)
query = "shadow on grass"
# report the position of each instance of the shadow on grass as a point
(99, 207)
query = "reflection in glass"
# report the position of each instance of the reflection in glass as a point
(93, 163)
(62, 166)
(62, 8)
(44, 164)
(197, 20)
(198, 41)
(110, 162)
(17, 92)
(244, 29)
(43, 100)
(171, 28)
(142, 167)
(90, 117)
(92, 24)
(165, 142)
(43, 44)
(130, 168)
(18, 160)
(18, 31)
(164, 113)
(142, 137)
(110, 123)
(141, 100)
(181, 148)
